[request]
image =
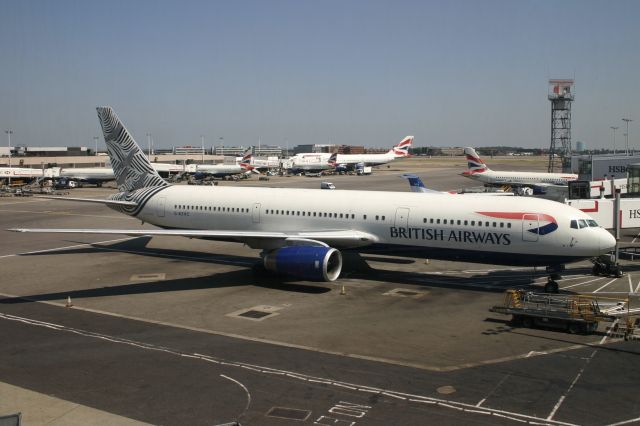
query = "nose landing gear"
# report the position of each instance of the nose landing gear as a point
(554, 274)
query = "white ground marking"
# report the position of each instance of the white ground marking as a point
(67, 247)
(459, 406)
(626, 422)
(608, 333)
(246, 391)
(630, 285)
(583, 283)
(605, 285)
(309, 348)
(493, 390)
(562, 398)
(637, 288)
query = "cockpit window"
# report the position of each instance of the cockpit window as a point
(582, 223)
(574, 224)
(592, 223)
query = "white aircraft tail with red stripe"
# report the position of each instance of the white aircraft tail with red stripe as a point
(474, 162)
(402, 149)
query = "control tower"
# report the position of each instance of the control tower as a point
(561, 96)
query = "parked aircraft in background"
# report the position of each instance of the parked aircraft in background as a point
(397, 151)
(417, 186)
(223, 170)
(91, 175)
(530, 182)
(313, 163)
(20, 173)
(301, 231)
(318, 161)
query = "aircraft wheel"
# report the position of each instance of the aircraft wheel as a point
(551, 287)
(596, 270)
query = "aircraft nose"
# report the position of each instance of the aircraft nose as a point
(607, 242)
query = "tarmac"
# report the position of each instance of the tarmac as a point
(179, 331)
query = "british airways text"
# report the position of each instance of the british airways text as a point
(431, 234)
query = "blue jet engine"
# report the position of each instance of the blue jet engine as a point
(314, 263)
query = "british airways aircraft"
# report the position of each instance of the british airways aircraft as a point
(530, 181)
(416, 185)
(222, 170)
(306, 161)
(301, 231)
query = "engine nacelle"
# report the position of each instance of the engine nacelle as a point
(306, 262)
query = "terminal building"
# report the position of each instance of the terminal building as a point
(598, 167)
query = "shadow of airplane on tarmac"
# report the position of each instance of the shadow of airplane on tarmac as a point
(355, 266)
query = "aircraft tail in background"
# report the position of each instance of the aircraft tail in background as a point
(474, 162)
(402, 148)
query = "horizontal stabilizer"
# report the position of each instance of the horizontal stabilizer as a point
(91, 200)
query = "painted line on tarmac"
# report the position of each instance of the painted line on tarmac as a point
(586, 282)
(459, 406)
(630, 285)
(67, 247)
(304, 347)
(575, 380)
(615, 279)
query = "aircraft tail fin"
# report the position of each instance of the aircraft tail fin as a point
(131, 167)
(416, 184)
(333, 160)
(402, 148)
(474, 162)
(245, 163)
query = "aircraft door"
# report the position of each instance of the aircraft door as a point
(402, 217)
(530, 223)
(161, 203)
(255, 213)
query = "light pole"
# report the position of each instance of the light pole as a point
(149, 146)
(614, 128)
(95, 141)
(9, 132)
(627, 121)
(202, 143)
(221, 146)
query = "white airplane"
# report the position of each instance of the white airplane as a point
(313, 163)
(91, 175)
(222, 170)
(20, 173)
(416, 185)
(302, 230)
(530, 182)
(397, 151)
(167, 169)
(307, 161)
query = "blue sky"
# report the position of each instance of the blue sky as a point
(452, 73)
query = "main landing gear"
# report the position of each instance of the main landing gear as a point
(554, 274)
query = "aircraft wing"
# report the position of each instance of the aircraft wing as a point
(90, 200)
(337, 238)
